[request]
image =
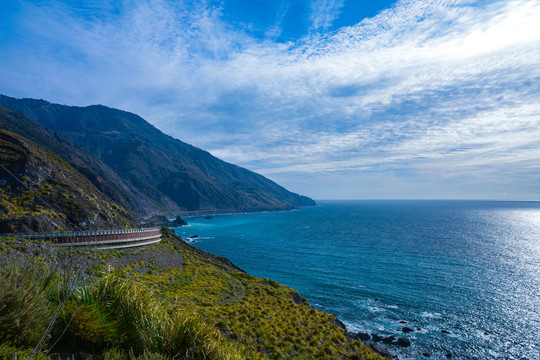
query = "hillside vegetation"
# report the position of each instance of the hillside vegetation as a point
(41, 192)
(175, 301)
(98, 173)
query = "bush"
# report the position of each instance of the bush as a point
(116, 312)
(25, 309)
(89, 328)
(7, 352)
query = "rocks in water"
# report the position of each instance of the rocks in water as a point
(208, 217)
(448, 355)
(337, 322)
(384, 352)
(404, 342)
(445, 331)
(376, 337)
(402, 322)
(389, 339)
(362, 336)
(178, 222)
(426, 354)
(376, 299)
(407, 329)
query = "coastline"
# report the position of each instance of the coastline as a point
(263, 318)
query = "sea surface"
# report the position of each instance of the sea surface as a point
(470, 268)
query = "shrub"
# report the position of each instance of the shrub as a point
(25, 309)
(115, 354)
(7, 352)
(117, 312)
(89, 328)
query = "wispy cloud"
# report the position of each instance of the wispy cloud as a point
(324, 12)
(425, 90)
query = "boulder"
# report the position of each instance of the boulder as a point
(445, 331)
(404, 342)
(426, 354)
(362, 336)
(389, 339)
(208, 217)
(376, 337)
(178, 222)
(407, 329)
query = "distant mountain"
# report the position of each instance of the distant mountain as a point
(167, 175)
(41, 192)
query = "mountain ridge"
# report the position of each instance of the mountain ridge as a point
(167, 175)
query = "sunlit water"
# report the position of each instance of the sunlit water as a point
(467, 267)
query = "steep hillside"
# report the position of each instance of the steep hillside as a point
(99, 174)
(260, 318)
(170, 175)
(49, 195)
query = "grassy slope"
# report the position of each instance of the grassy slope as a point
(264, 319)
(271, 320)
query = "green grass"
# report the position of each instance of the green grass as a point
(25, 303)
(260, 314)
(205, 309)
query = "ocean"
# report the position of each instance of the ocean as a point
(464, 275)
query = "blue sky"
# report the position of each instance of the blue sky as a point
(332, 99)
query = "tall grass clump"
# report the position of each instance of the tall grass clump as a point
(116, 312)
(25, 306)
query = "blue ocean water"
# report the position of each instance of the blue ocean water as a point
(471, 268)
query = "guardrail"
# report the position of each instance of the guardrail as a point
(109, 239)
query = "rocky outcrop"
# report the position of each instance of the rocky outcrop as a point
(178, 222)
(403, 342)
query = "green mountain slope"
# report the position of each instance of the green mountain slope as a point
(41, 192)
(99, 174)
(169, 175)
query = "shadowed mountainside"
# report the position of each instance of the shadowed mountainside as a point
(168, 175)
(99, 174)
(48, 194)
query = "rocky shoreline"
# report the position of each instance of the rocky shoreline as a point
(392, 342)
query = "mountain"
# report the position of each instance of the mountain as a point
(167, 175)
(97, 172)
(41, 192)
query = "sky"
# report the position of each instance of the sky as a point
(333, 99)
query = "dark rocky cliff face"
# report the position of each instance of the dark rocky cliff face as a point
(167, 175)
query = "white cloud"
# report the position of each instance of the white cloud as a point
(324, 12)
(427, 86)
